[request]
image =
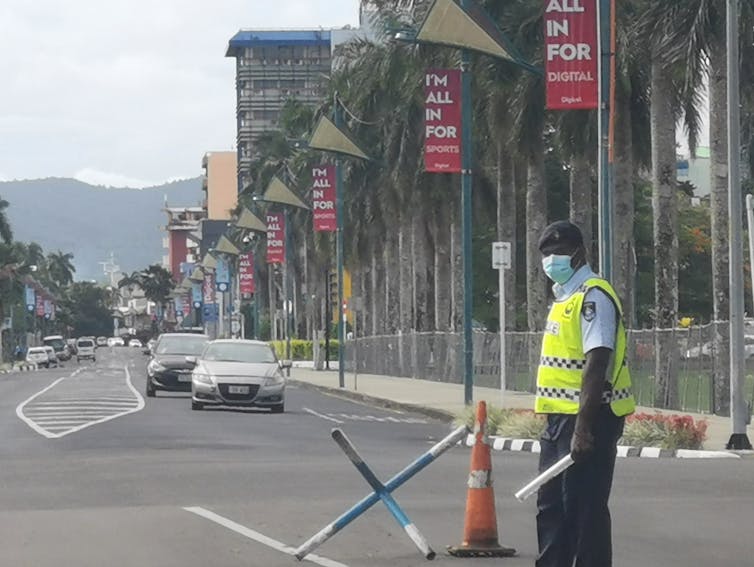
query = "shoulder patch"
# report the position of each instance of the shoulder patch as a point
(589, 310)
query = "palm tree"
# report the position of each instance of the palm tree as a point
(60, 268)
(6, 233)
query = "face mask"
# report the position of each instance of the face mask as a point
(558, 268)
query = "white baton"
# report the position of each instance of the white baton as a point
(546, 476)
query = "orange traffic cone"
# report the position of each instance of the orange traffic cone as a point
(480, 526)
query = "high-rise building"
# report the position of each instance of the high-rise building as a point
(181, 247)
(273, 66)
(220, 184)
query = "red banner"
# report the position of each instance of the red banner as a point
(186, 305)
(572, 54)
(275, 238)
(40, 305)
(442, 121)
(209, 288)
(246, 274)
(323, 198)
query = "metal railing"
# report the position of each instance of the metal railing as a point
(438, 357)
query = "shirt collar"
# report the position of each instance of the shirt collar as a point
(562, 291)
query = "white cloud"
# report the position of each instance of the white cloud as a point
(137, 87)
(94, 177)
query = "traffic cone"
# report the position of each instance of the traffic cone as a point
(480, 526)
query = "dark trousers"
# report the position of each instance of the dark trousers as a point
(573, 519)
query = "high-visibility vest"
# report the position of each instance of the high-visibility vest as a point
(561, 366)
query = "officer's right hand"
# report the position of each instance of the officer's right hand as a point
(582, 445)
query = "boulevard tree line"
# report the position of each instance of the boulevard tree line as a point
(532, 166)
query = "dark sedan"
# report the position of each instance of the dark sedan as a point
(168, 369)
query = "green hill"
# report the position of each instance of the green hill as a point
(92, 221)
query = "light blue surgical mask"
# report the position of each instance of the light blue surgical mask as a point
(558, 268)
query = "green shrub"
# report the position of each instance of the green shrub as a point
(516, 423)
(664, 431)
(303, 350)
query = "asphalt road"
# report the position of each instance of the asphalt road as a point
(119, 481)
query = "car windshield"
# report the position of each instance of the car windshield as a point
(85, 344)
(186, 344)
(57, 344)
(239, 352)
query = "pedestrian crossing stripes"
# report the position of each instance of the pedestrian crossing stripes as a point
(87, 397)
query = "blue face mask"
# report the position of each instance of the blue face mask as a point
(558, 268)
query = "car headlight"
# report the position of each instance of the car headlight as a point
(202, 377)
(155, 366)
(273, 380)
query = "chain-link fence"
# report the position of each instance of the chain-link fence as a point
(439, 357)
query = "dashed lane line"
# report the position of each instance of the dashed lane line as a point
(259, 537)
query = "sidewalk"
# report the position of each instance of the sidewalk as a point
(447, 399)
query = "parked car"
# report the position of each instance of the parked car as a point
(52, 357)
(71, 346)
(135, 343)
(235, 372)
(38, 355)
(115, 341)
(58, 345)
(101, 341)
(168, 368)
(86, 350)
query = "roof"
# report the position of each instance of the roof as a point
(253, 38)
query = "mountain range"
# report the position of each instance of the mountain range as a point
(93, 221)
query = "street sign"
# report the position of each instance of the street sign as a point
(501, 255)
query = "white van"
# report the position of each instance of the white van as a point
(86, 349)
(38, 356)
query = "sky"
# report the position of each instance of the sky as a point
(128, 93)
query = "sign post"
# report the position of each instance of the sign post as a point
(501, 261)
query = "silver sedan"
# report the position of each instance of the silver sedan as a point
(234, 372)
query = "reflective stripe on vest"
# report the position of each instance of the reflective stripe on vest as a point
(561, 365)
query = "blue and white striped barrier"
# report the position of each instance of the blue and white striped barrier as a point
(382, 492)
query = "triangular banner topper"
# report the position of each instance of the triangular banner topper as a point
(329, 138)
(225, 246)
(249, 221)
(279, 192)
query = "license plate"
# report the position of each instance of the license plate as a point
(238, 389)
(184, 377)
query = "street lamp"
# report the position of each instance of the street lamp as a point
(466, 26)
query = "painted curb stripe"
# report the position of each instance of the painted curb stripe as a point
(623, 451)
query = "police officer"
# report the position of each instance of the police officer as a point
(584, 388)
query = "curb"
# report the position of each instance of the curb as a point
(624, 451)
(440, 415)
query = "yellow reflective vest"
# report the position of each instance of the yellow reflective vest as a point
(561, 365)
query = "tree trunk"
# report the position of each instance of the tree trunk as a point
(392, 282)
(581, 206)
(442, 269)
(405, 281)
(506, 227)
(665, 207)
(718, 109)
(420, 272)
(456, 258)
(375, 294)
(536, 220)
(624, 264)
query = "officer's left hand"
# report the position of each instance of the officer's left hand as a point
(582, 445)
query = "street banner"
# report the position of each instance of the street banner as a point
(196, 294)
(442, 121)
(47, 308)
(210, 312)
(186, 304)
(572, 54)
(275, 238)
(323, 198)
(40, 305)
(31, 299)
(178, 301)
(222, 274)
(53, 311)
(246, 274)
(209, 288)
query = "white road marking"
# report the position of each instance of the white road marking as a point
(60, 419)
(258, 537)
(323, 416)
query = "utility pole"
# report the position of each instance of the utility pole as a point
(739, 410)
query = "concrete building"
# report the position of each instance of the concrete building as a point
(696, 171)
(181, 247)
(220, 184)
(273, 66)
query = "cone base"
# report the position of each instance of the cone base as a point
(479, 551)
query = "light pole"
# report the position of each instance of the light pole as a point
(456, 25)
